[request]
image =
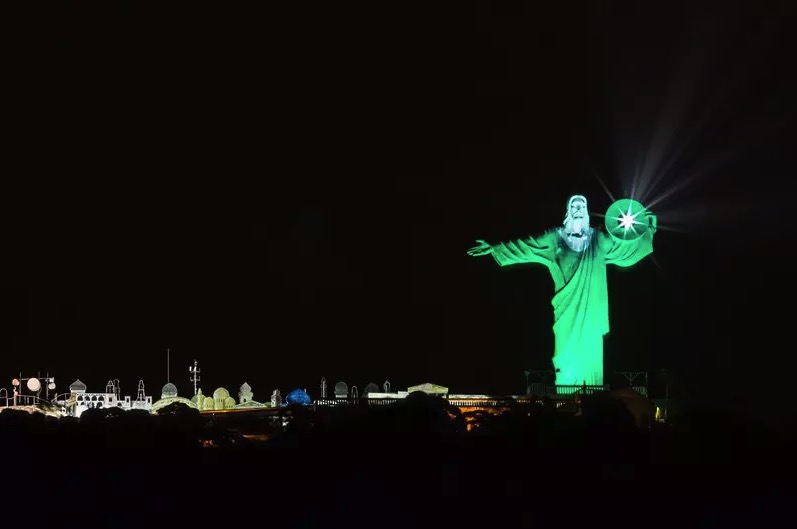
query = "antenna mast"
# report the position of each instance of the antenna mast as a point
(167, 366)
(194, 370)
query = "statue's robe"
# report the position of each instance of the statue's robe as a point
(580, 302)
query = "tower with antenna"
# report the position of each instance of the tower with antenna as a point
(194, 370)
(141, 394)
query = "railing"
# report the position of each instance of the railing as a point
(22, 400)
(582, 389)
(554, 390)
(355, 402)
(497, 402)
(549, 391)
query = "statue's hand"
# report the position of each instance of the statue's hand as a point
(483, 248)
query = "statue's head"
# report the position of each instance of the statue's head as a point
(576, 217)
(575, 230)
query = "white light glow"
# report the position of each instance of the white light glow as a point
(627, 220)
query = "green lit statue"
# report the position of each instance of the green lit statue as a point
(576, 256)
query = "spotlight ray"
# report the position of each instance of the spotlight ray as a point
(704, 172)
(603, 185)
(684, 117)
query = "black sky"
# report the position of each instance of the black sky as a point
(286, 196)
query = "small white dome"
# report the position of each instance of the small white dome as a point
(221, 394)
(76, 386)
(168, 391)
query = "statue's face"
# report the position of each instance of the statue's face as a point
(578, 209)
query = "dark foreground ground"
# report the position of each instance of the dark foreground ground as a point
(407, 466)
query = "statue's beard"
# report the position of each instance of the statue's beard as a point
(576, 233)
(579, 226)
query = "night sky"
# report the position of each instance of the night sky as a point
(285, 196)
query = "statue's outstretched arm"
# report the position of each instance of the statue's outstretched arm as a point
(527, 250)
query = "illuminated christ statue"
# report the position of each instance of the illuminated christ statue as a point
(576, 256)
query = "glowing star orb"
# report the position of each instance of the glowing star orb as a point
(627, 220)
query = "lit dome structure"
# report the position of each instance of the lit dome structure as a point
(220, 394)
(298, 396)
(198, 399)
(77, 387)
(169, 391)
(245, 393)
(222, 399)
(246, 398)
